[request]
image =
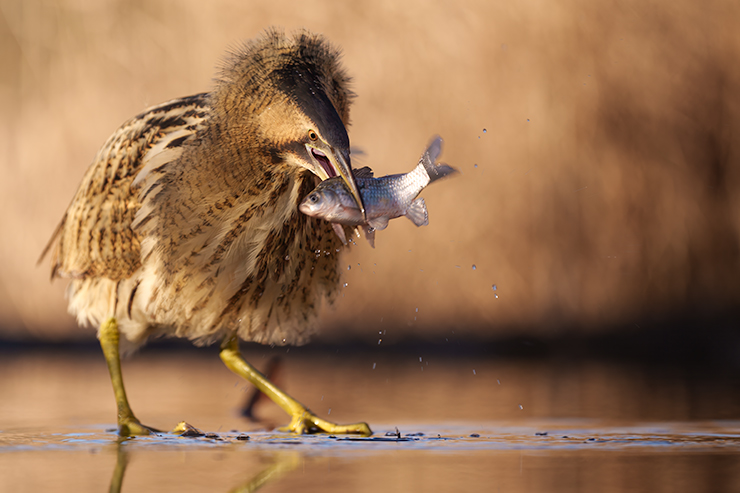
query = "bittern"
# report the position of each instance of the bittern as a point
(187, 224)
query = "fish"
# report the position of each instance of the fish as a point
(384, 198)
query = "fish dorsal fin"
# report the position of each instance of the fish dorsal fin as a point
(339, 230)
(363, 173)
(370, 235)
(378, 223)
(417, 212)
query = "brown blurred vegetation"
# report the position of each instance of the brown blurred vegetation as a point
(597, 143)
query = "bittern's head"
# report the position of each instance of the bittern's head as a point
(288, 97)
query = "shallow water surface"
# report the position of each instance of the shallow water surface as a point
(509, 426)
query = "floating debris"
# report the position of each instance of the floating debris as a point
(187, 430)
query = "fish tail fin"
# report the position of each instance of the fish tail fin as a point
(417, 212)
(429, 158)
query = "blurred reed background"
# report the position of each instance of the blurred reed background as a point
(598, 144)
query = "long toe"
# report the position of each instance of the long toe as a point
(307, 422)
(132, 427)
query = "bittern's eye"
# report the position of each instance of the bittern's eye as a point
(312, 135)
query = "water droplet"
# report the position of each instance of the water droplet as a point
(379, 341)
(495, 296)
(484, 130)
(346, 284)
(329, 411)
(417, 310)
(419, 359)
(527, 119)
(474, 267)
(493, 287)
(499, 381)
(349, 267)
(475, 166)
(322, 397)
(287, 257)
(521, 407)
(283, 339)
(373, 366)
(473, 372)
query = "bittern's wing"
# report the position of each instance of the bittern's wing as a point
(95, 237)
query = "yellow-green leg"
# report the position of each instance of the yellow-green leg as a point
(302, 420)
(127, 423)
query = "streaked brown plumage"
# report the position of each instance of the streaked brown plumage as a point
(186, 223)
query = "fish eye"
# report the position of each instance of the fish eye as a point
(314, 197)
(312, 135)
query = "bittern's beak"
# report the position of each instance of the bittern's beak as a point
(328, 162)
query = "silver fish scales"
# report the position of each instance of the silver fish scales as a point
(384, 198)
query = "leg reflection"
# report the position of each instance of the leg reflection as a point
(282, 463)
(116, 482)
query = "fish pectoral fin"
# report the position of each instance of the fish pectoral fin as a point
(339, 230)
(378, 223)
(370, 235)
(417, 212)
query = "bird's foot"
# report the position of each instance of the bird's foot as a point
(307, 422)
(131, 427)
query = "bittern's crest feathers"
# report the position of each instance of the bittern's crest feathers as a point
(292, 65)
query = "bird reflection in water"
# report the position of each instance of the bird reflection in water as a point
(282, 462)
